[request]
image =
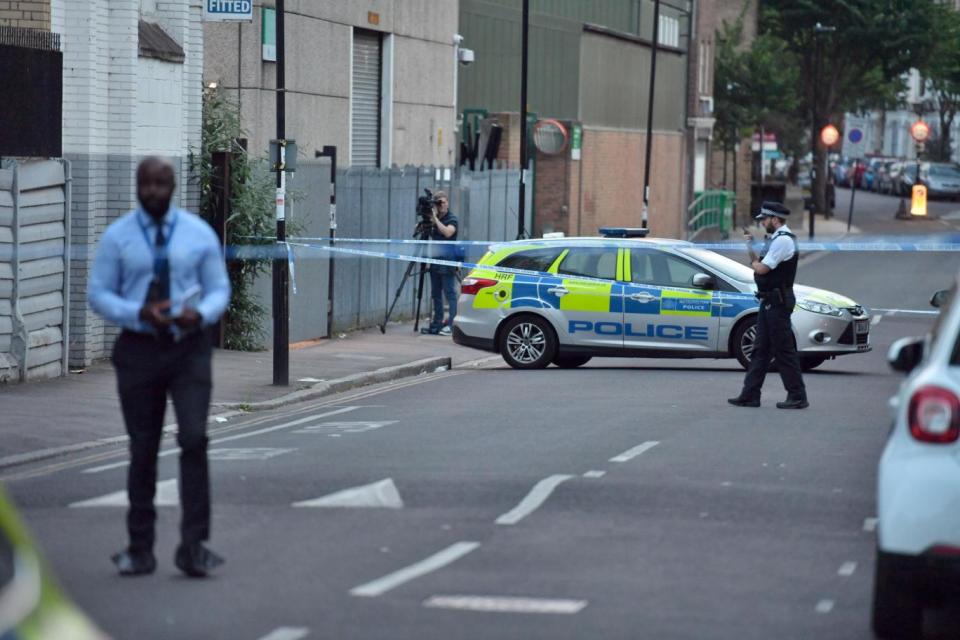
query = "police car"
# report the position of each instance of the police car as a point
(566, 300)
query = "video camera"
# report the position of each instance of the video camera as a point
(425, 205)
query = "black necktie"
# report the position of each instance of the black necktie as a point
(161, 266)
(160, 285)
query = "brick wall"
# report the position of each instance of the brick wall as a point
(612, 165)
(33, 14)
(552, 193)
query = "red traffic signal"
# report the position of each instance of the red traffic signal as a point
(829, 135)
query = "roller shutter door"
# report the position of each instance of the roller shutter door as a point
(365, 101)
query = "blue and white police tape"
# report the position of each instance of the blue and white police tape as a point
(945, 243)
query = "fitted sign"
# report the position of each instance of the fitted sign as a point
(228, 10)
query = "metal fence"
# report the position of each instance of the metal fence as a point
(381, 203)
(34, 280)
(711, 213)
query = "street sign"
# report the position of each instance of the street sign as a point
(920, 130)
(228, 10)
(918, 205)
(855, 145)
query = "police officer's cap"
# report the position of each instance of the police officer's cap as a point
(772, 209)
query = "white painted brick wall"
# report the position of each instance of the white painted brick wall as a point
(113, 115)
(159, 118)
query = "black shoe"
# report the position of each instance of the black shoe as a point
(796, 403)
(740, 401)
(134, 563)
(196, 560)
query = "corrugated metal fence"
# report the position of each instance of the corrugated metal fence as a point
(34, 218)
(381, 203)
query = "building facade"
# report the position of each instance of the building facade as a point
(589, 70)
(131, 88)
(375, 79)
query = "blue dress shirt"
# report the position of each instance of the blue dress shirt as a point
(123, 268)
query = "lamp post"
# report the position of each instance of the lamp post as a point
(818, 175)
(281, 300)
(650, 104)
(522, 207)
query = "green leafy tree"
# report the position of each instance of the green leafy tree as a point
(252, 214)
(943, 73)
(754, 86)
(875, 42)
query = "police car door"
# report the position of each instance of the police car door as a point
(662, 309)
(590, 313)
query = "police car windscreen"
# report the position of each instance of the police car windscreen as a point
(722, 264)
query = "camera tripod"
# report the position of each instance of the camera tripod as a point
(422, 233)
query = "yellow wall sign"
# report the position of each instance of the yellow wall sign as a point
(918, 206)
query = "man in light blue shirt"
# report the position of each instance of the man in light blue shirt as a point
(159, 273)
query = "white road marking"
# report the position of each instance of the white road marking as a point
(506, 604)
(630, 454)
(869, 524)
(532, 501)
(428, 565)
(251, 453)
(382, 494)
(357, 356)
(875, 320)
(287, 633)
(166, 496)
(594, 474)
(346, 427)
(248, 434)
(825, 606)
(846, 569)
(310, 379)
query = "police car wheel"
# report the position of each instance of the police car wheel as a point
(528, 342)
(744, 339)
(571, 362)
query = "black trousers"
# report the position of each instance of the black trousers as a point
(775, 339)
(148, 370)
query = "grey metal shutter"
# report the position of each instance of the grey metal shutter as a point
(365, 101)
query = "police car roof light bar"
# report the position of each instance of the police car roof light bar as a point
(624, 232)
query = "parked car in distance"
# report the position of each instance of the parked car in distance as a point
(942, 179)
(883, 183)
(905, 178)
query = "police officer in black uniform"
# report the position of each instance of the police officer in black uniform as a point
(774, 271)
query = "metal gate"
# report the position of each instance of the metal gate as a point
(34, 269)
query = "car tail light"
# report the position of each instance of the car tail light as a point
(948, 550)
(934, 415)
(472, 286)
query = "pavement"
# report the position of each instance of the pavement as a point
(82, 410)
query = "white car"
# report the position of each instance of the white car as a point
(918, 492)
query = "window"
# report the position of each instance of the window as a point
(661, 269)
(533, 260)
(591, 262)
(669, 31)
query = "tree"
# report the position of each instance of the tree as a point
(943, 74)
(875, 42)
(754, 86)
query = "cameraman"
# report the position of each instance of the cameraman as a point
(443, 277)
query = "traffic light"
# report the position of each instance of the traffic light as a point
(829, 135)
